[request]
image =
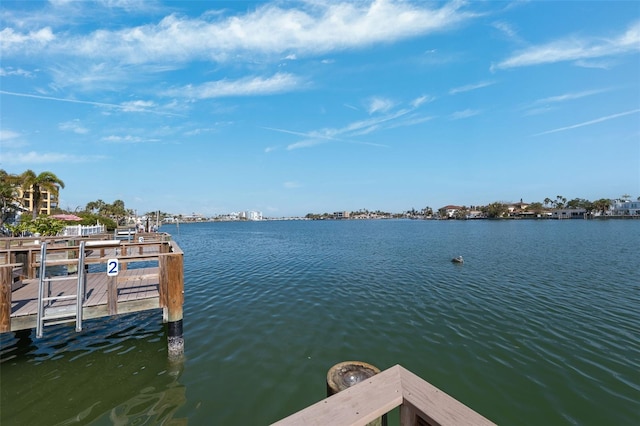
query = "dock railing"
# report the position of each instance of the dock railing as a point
(83, 230)
(420, 403)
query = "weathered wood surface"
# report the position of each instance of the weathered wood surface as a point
(421, 403)
(133, 285)
(6, 276)
(171, 295)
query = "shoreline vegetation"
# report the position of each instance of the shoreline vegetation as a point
(392, 217)
(29, 200)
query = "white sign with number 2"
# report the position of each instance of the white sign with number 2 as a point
(113, 267)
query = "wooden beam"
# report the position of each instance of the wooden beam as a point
(354, 406)
(434, 406)
(421, 404)
(112, 295)
(172, 285)
(6, 279)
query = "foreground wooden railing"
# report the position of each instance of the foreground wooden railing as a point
(420, 404)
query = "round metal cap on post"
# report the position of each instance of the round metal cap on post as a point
(349, 373)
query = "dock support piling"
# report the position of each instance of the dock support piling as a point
(6, 280)
(172, 299)
(175, 340)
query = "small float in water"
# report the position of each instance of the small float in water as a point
(457, 259)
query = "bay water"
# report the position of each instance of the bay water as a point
(539, 325)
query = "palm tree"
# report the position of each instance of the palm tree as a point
(45, 181)
(602, 205)
(560, 202)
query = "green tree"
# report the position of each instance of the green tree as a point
(496, 210)
(602, 205)
(43, 225)
(461, 213)
(8, 195)
(537, 208)
(117, 211)
(95, 207)
(560, 202)
(578, 203)
(45, 181)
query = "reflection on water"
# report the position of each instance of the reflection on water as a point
(115, 371)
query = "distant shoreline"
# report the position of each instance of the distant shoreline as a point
(609, 217)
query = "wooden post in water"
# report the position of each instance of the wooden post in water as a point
(112, 295)
(171, 299)
(6, 280)
(349, 373)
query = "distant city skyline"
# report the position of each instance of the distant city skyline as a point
(292, 107)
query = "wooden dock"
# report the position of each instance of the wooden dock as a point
(136, 290)
(150, 276)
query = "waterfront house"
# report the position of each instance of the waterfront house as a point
(625, 208)
(449, 211)
(578, 213)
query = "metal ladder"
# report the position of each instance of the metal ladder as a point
(48, 312)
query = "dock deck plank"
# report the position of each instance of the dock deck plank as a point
(133, 285)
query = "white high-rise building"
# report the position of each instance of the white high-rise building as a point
(253, 215)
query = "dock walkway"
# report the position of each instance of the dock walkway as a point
(150, 276)
(136, 289)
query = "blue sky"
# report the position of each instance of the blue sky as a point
(296, 107)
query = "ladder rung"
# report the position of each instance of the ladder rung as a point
(67, 297)
(59, 312)
(61, 320)
(59, 278)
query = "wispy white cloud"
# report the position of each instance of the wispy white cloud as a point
(73, 126)
(590, 122)
(599, 64)
(34, 157)
(549, 103)
(422, 100)
(292, 185)
(128, 139)
(378, 104)
(137, 106)
(278, 83)
(10, 140)
(569, 96)
(126, 106)
(307, 143)
(10, 71)
(470, 87)
(200, 131)
(507, 29)
(464, 114)
(25, 42)
(387, 119)
(575, 49)
(310, 27)
(6, 134)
